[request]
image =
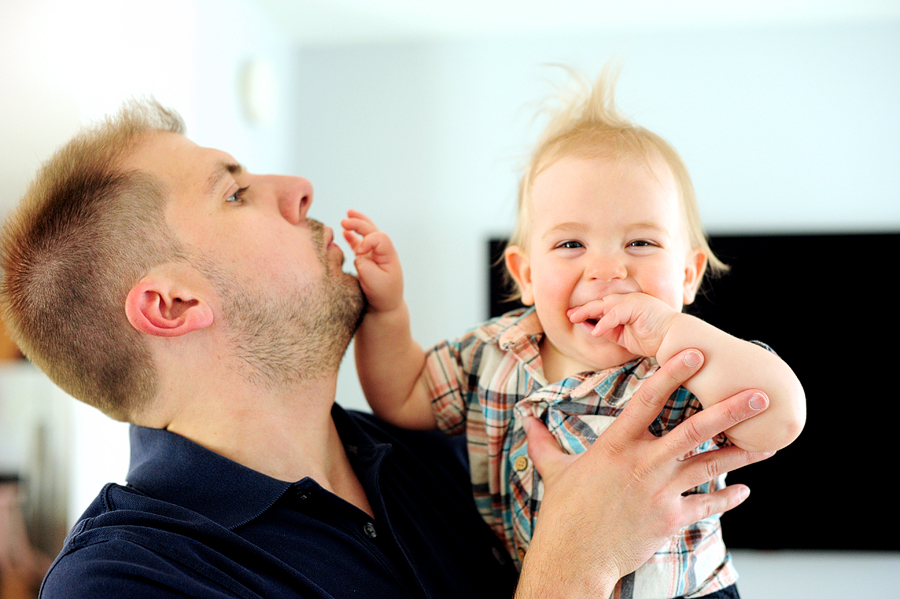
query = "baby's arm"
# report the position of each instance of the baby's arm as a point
(647, 326)
(388, 360)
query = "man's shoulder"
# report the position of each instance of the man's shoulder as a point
(91, 566)
(103, 548)
(119, 507)
(127, 540)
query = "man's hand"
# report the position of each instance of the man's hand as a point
(377, 262)
(606, 511)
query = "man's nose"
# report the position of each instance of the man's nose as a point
(295, 195)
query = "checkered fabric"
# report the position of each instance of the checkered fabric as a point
(484, 382)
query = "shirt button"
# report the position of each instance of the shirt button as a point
(369, 529)
(521, 463)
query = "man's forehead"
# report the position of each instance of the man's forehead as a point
(176, 160)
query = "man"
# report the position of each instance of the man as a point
(160, 282)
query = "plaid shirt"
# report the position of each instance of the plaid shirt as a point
(485, 381)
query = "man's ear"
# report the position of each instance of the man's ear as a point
(519, 267)
(164, 304)
(694, 267)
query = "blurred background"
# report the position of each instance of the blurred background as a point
(420, 113)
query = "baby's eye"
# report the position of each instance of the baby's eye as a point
(641, 243)
(569, 245)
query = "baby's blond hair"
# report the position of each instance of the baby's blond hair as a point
(586, 123)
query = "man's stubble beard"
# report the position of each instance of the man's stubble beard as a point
(286, 340)
(291, 340)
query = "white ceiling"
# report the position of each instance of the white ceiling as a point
(352, 21)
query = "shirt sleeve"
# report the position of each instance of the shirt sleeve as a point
(451, 372)
(444, 377)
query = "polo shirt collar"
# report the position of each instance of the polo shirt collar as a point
(174, 469)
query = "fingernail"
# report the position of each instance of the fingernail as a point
(692, 358)
(758, 401)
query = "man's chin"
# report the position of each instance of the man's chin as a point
(363, 305)
(354, 299)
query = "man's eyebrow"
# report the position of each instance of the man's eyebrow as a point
(222, 170)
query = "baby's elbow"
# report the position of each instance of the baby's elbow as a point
(775, 436)
(777, 427)
(787, 421)
(795, 418)
(790, 429)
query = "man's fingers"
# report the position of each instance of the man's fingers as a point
(652, 395)
(702, 468)
(714, 420)
(544, 450)
(703, 505)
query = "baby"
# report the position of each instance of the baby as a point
(607, 250)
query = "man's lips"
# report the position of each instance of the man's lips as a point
(329, 246)
(329, 240)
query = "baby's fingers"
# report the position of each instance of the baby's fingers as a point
(358, 223)
(352, 240)
(591, 310)
(362, 235)
(357, 215)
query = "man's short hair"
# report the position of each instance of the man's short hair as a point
(82, 236)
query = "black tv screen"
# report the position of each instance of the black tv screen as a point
(821, 302)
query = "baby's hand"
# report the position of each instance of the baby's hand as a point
(636, 321)
(377, 262)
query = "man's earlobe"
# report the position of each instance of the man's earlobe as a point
(164, 309)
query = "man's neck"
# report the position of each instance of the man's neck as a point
(288, 435)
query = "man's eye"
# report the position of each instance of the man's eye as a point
(237, 196)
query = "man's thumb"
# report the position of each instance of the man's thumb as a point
(543, 449)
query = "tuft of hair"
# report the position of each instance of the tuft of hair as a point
(584, 121)
(83, 234)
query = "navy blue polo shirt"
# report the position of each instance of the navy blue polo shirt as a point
(191, 523)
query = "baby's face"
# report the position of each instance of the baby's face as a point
(599, 227)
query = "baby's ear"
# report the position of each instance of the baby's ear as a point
(165, 304)
(694, 267)
(519, 267)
